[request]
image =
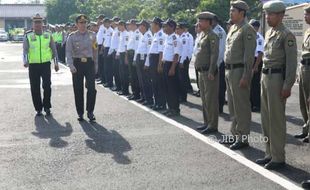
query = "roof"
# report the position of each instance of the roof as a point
(296, 6)
(21, 10)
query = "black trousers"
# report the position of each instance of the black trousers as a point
(86, 70)
(255, 87)
(197, 78)
(144, 80)
(101, 73)
(183, 81)
(116, 75)
(222, 86)
(157, 81)
(108, 67)
(172, 88)
(133, 77)
(124, 73)
(187, 79)
(63, 53)
(36, 72)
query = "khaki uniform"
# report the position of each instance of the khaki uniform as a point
(304, 84)
(239, 58)
(206, 63)
(279, 72)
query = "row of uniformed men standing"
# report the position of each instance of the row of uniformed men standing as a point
(154, 58)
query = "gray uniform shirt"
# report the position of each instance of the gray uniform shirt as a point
(26, 47)
(81, 45)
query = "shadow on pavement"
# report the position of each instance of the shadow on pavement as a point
(49, 128)
(102, 140)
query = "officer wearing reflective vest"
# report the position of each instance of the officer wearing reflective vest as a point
(38, 51)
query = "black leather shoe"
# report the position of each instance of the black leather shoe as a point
(39, 113)
(146, 103)
(133, 98)
(47, 111)
(91, 117)
(301, 136)
(306, 140)
(172, 113)
(228, 139)
(140, 100)
(305, 184)
(80, 118)
(274, 165)
(203, 127)
(238, 145)
(114, 89)
(263, 161)
(208, 131)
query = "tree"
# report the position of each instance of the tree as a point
(59, 11)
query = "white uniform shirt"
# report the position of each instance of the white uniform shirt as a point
(114, 40)
(222, 43)
(107, 37)
(100, 34)
(190, 47)
(172, 46)
(144, 44)
(184, 44)
(134, 37)
(123, 42)
(260, 41)
(157, 45)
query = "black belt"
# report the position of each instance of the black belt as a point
(305, 62)
(202, 69)
(234, 66)
(272, 70)
(83, 59)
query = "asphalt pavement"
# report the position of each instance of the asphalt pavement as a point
(130, 147)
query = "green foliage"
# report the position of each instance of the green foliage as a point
(59, 11)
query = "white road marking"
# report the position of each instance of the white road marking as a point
(210, 141)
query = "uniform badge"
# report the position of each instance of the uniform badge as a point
(249, 37)
(290, 43)
(33, 38)
(175, 43)
(174, 37)
(150, 42)
(260, 42)
(160, 34)
(95, 45)
(161, 42)
(127, 38)
(119, 34)
(137, 38)
(46, 36)
(184, 42)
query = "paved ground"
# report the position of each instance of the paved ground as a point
(129, 148)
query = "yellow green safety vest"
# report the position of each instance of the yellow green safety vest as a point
(58, 37)
(39, 48)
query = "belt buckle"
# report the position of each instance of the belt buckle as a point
(83, 60)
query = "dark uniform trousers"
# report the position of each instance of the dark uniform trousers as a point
(86, 70)
(101, 73)
(108, 67)
(188, 84)
(60, 51)
(222, 86)
(144, 80)
(157, 81)
(36, 72)
(63, 53)
(172, 88)
(134, 83)
(116, 75)
(183, 80)
(124, 73)
(256, 87)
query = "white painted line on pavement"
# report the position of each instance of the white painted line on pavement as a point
(210, 141)
(242, 160)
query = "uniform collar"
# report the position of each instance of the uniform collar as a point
(239, 25)
(207, 31)
(279, 27)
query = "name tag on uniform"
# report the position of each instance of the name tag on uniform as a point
(83, 60)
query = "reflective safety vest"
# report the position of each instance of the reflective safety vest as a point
(58, 37)
(39, 48)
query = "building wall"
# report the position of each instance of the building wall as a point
(2, 23)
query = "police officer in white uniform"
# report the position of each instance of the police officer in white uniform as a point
(257, 68)
(140, 57)
(108, 61)
(220, 62)
(172, 51)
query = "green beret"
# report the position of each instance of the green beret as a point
(205, 15)
(274, 7)
(307, 8)
(240, 5)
